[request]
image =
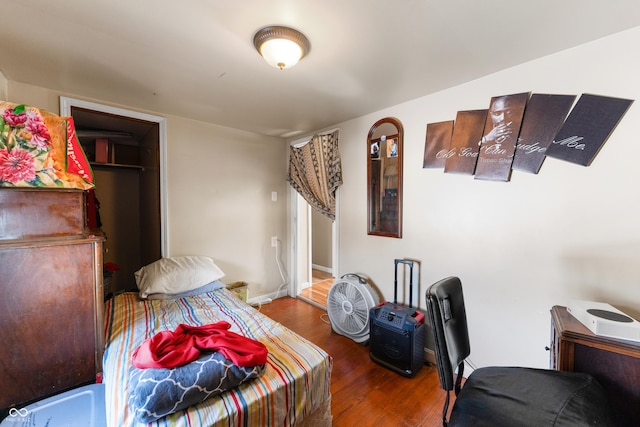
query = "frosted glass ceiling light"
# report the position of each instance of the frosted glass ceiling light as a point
(281, 47)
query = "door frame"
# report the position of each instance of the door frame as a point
(300, 242)
(300, 248)
(67, 103)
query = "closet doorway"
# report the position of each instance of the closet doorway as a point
(126, 150)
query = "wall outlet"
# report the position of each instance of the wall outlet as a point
(274, 241)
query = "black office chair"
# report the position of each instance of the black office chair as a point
(505, 396)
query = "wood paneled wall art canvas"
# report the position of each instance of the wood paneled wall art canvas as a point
(437, 143)
(587, 128)
(543, 118)
(463, 151)
(501, 130)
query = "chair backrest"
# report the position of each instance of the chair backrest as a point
(445, 305)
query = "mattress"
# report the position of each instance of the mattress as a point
(294, 387)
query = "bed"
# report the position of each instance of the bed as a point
(292, 389)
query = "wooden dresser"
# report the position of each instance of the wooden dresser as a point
(51, 301)
(614, 363)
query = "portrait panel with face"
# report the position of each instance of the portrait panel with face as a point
(501, 130)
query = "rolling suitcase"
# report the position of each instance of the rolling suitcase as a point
(397, 331)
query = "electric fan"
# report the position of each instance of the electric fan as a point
(348, 303)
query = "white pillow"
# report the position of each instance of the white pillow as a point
(176, 274)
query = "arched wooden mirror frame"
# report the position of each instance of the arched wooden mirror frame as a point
(384, 178)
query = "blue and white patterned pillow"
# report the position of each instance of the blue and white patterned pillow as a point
(209, 287)
(155, 393)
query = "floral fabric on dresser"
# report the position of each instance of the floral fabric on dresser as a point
(40, 149)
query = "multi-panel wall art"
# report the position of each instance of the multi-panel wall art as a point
(518, 131)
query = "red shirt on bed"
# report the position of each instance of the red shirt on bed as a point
(169, 349)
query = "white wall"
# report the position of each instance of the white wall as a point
(219, 192)
(519, 247)
(3, 86)
(321, 242)
(220, 184)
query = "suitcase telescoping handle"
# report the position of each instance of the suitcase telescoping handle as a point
(395, 280)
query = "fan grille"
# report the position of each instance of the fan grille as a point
(348, 305)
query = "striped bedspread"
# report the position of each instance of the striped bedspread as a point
(295, 382)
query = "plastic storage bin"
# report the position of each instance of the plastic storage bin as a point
(80, 407)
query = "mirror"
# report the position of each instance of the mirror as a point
(384, 178)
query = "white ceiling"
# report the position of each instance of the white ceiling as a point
(195, 58)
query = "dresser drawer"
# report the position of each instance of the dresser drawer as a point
(35, 214)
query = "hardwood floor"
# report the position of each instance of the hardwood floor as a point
(363, 392)
(317, 293)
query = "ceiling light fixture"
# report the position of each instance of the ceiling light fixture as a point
(281, 47)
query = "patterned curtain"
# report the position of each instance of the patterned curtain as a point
(315, 172)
